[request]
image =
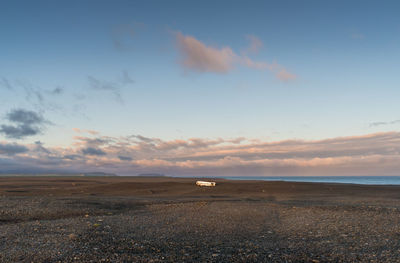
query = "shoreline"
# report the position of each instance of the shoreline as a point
(352, 180)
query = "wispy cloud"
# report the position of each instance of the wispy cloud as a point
(104, 85)
(255, 44)
(380, 123)
(32, 94)
(126, 78)
(39, 147)
(6, 83)
(284, 75)
(248, 62)
(92, 132)
(114, 87)
(123, 36)
(56, 91)
(197, 56)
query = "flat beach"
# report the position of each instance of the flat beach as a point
(162, 219)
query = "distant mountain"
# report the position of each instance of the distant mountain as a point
(152, 175)
(37, 172)
(98, 174)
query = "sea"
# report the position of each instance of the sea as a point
(370, 180)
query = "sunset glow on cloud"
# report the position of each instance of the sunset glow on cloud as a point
(199, 57)
(131, 155)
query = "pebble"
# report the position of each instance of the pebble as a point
(227, 231)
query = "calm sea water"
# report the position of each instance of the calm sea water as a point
(374, 180)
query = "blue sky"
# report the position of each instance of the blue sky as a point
(266, 71)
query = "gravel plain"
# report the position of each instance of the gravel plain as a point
(234, 222)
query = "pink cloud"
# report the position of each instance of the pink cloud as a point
(199, 57)
(92, 132)
(285, 76)
(255, 44)
(254, 64)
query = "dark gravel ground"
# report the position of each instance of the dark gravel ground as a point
(129, 229)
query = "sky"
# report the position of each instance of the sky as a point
(195, 88)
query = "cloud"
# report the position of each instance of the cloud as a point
(93, 142)
(254, 64)
(72, 156)
(98, 84)
(25, 117)
(370, 154)
(5, 83)
(18, 132)
(33, 94)
(93, 151)
(126, 78)
(92, 132)
(284, 75)
(142, 138)
(280, 72)
(123, 36)
(39, 147)
(12, 148)
(24, 123)
(255, 44)
(380, 123)
(112, 86)
(36, 96)
(197, 56)
(125, 158)
(57, 91)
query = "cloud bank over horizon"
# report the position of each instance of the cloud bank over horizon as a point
(371, 154)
